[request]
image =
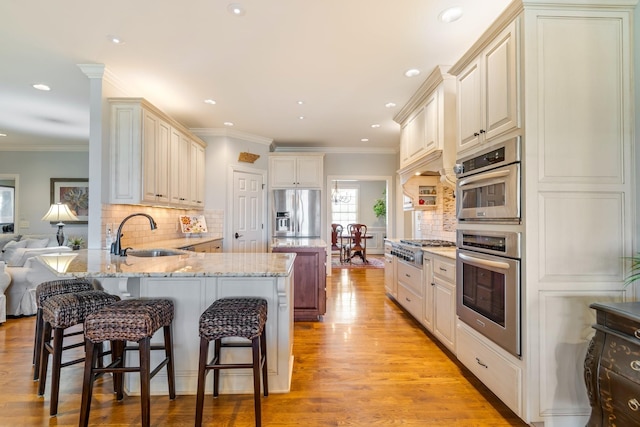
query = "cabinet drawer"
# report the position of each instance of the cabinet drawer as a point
(500, 375)
(622, 357)
(621, 324)
(619, 395)
(445, 269)
(410, 301)
(411, 277)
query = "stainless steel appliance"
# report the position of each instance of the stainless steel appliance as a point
(488, 184)
(296, 213)
(488, 285)
(410, 250)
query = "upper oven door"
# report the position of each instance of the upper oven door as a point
(492, 195)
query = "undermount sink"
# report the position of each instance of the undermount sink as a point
(147, 253)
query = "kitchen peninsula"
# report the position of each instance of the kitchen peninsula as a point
(193, 281)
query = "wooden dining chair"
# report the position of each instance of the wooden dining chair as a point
(358, 243)
(336, 240)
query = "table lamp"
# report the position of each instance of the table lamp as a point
(59, 212)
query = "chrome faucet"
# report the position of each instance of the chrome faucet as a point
(116, 247)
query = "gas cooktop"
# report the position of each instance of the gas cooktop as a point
(427, 243)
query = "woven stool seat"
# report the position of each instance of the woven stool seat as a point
(128, 320)
(242, 317)
(234, 317)
(66, 310)
(57, 287)
(44, 291)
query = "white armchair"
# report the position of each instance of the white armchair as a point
(5, 279)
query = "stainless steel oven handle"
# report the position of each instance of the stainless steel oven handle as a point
(483, 177)
(484, 262)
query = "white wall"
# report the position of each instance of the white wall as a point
(35, 170)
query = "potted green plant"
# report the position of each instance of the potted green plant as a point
(380, 206)
(76, 242)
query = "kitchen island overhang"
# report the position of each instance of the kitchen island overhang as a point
(193, 281)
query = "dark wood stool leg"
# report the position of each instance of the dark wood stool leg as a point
(202, 376)
(168, 351)
(117, 359)
(255, 347)
(145, 380)
(37, 345)
(56, 366)
(216, 372)
(265, 371)
(87, 383)
(44, 358)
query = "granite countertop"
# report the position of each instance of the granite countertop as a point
(178, 243)
(95, 263)
(299, 242)
(447, 252)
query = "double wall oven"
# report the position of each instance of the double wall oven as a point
(488, 272)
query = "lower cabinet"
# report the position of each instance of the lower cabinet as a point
(439, 315)
(309, 282)
(410, 288)
(213, 246)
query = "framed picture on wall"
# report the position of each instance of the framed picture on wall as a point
(75, 193)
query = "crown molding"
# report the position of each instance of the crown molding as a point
(43, 147)
(232, 133)
(336, 150)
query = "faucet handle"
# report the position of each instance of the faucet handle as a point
(123, 252)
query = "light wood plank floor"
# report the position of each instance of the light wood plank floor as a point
(366, 364)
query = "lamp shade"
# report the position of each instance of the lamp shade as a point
(59, 212)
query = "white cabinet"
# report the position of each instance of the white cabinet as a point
(390, 271)
(291, 171)
(439, 316)
(488, 95)
(410, 288)
(423, 192)
(428, 119)
(150, 159)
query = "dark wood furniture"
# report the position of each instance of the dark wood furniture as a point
(612, 365)
(358, 243)
(337, 243)
(309, 282)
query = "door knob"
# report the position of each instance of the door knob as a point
(238, 235)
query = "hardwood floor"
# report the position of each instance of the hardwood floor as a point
(366, 364)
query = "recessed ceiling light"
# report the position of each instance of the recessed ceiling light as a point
(228, 124)
(3, 134)
(390, 104)
(236, 9)
(300, 102)
(364, 140)
(115, 39)
(41, 86)
(210, 101)
(412, 72)
(375, 126)
(451, 14)
(301, 117)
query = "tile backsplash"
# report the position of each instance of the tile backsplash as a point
(137, 230)
(439, 223)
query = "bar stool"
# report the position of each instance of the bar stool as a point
(233, 317)
(60, 312)
(133, 320)
(44, 291)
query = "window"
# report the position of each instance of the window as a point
(346, 211)
(7, 205)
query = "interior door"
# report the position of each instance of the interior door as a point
(248, 213)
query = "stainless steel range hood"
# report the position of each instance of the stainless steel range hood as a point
(436, 162)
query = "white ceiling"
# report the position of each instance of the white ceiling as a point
(344, 58)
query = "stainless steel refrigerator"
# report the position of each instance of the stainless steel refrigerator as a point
(295, 213)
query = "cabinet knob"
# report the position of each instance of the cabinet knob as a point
(476, 134)
(635, 365)
(633, 404)
(482, 131)
(443, 269)
(636, 333)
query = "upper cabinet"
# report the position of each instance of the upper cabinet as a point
(428, 129)
(296, 170)
(488, 95)
(154, 160)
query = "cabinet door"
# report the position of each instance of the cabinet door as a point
(162, 162)
(444, 312)
(390, 277)
(282, 172)
(309, 171)
(196, 174)
(431, 123)
(469, 106)
(155, 158)
(427, 312)
(178, 168)
(500, 80)
(416, 141)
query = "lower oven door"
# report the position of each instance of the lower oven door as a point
(488, 297)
